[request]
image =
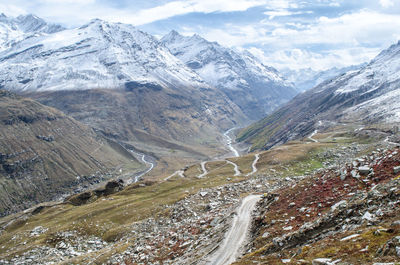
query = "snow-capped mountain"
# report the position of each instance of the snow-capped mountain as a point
(307, 78)
(257, 89)
(118, 80)
(370, 95)
(16, 29)
(96, 55)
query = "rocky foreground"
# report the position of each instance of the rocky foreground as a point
(345, 214)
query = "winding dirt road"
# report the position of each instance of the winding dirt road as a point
(204, 169)
(143, 158)
(235, 167)
(179, 173)
(236, 236)
(311, 136)
(254, 165)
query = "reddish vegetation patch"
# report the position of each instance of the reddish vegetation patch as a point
(384, 170)
(312, 197)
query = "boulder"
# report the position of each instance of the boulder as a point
(322, 261)
(364, 170)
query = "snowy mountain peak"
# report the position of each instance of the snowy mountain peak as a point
(31, 23)
(172, 35)
(13, 30)
(254, 87)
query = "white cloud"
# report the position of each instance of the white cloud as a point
(282, 13)
(334, 4)
(184, 7)
(75, 12)
(63, 2)
(364, 27)
(345, 40)
(11, 10)
(386, 3)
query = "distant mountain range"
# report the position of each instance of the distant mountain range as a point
(366, 96)
(102, 55)
(304, 79)
(96, 55)
(144, 88)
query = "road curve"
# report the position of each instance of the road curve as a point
(237, 235)
(254, 165)
(150, 164)
(311, 136)
(204, 169)
(180, 173)
(235, 167)
(389, 142)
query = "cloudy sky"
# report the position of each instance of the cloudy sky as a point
(284, 33)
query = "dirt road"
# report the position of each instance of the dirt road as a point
(236, 236)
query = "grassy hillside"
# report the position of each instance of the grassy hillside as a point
(44, 154)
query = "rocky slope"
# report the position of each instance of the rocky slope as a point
(367, 96)
(346, 214)
(257, 89)
(162, 117)
(45, 154)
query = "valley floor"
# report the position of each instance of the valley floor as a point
(315, 207)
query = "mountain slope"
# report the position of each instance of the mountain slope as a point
(44, 154)
(257, 89)
(121, 81)
(369, 95)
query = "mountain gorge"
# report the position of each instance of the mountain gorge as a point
(257, 89)
(365, 96)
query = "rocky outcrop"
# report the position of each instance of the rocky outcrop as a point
(89, 196)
